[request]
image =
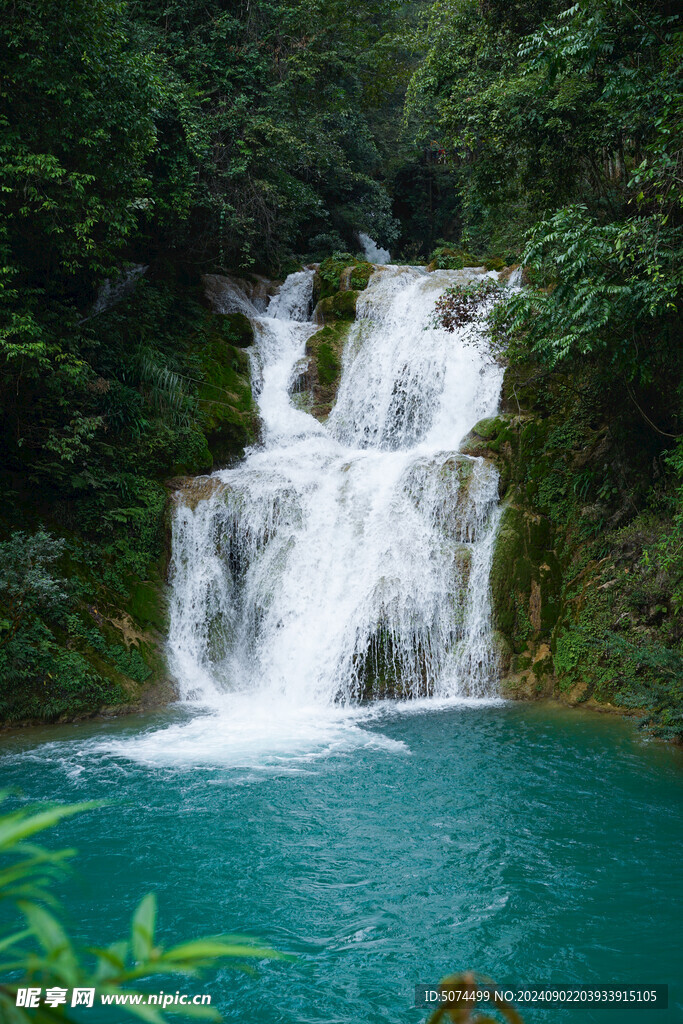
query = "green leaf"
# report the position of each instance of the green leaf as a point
(19, 824)
(208, 949)
(142, 932)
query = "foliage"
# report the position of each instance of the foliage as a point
(614, 288)
(26, 581)
(39, 951)
(32, 657)
(667, 554)
(463, 304)
(654, 684)
(446, 257)
(164, 390)
(330, 271)
(564, 122)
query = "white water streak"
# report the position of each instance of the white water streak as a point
(372, 252)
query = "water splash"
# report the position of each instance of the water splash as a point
(348, 560)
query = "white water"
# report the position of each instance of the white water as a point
(336, 553)
(372, 252)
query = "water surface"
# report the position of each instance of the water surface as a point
(529, 842)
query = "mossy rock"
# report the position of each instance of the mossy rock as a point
(527, 389)
(325, 350)
(344, 305)
(228, 412)
(328, 363)
(495, 438)
(147, 604)
(526, 579)
(448, 257)
(490, 428)
(360, 275)
(462, 562)
(502, 651)
(239, 329)
(379, 670)
(340, 306)
(341, 272)
(494, 263)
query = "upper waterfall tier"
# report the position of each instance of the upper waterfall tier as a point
(350, 559)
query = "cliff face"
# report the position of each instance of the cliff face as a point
(581, 608)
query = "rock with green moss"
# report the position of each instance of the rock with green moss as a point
(226, 404)
(585, 614)
(325, 351)
(526, 578)
(341, 272)
(448, 257)
(106, 655)
(238, 329)
(383, 673)
(360, 275)
(494, 263)
(340, 306)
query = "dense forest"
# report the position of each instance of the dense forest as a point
(145, 145)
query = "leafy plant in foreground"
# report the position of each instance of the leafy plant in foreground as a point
(39, 952)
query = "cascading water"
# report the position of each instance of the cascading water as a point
(372, 252)
(350, 559)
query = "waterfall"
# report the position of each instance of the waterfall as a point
(372, 252)
(347, 560)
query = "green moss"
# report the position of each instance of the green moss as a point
(324, 313)
(490, 428)
(325, 349)
(327, 363)
(447, 257)
(238, 329)
(344, 305)
(360, 275)
(337, 269)
(147, 604)
(582, 609)
(526, 578)
(227, 409)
